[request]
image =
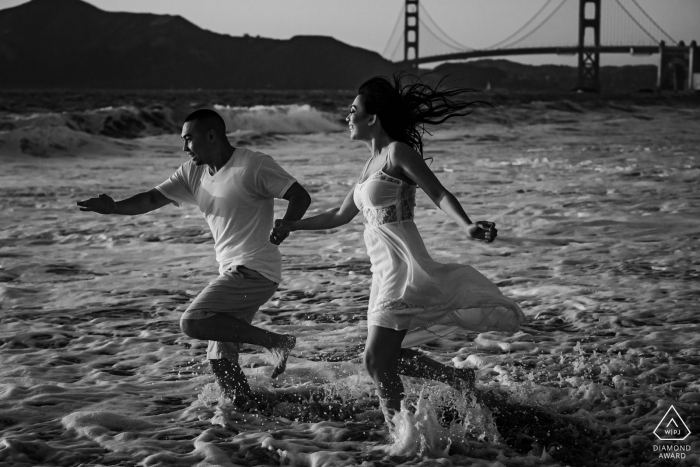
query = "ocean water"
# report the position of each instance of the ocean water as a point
(597, 206)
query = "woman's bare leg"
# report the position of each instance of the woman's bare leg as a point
(382, 352)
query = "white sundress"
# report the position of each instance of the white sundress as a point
(412, 291)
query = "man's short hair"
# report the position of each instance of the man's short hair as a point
(209, 120)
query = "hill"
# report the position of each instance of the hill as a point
(512, 76)
(72, 44)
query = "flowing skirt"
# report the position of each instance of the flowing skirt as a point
(412, 291)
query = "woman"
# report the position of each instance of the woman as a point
(414, 299)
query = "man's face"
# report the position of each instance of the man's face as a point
(195, 142)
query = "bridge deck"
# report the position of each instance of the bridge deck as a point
(611, 49)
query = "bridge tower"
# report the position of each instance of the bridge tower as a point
(410, 30)
(679, 67)
(588, 61)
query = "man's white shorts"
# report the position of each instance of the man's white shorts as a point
(238, 292)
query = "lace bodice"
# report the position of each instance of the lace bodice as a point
(385, 199)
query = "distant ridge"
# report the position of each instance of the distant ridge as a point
(72, 44)
(502, 74)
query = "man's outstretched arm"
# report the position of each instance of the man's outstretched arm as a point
(141, 203)
(299, 202)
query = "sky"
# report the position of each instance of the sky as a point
(369, 23)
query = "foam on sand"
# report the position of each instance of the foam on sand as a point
(598, 243)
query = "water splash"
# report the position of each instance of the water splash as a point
(439, 419)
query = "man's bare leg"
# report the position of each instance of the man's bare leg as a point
(224, 328)
(414, 364)
(281, 353)
(231, 379)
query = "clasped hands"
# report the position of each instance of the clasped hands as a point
(280, 231)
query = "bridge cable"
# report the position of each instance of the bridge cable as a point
(654, 22)
(521, 27)
(613, 24)
(439, 39)
(459, 45)
(538, 26)
(635, 21)
(620, 27)
(396, 26)
(396, 48)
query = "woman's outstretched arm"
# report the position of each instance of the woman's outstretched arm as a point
(328, 220)
(413, 167)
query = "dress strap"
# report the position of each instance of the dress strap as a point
(364, 170)
(388, 150)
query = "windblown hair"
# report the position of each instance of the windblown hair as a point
(404, 108)
(209, 119)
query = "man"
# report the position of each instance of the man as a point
(235, 190)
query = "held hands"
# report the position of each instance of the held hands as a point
(280, 231)
(101, 205)
(483, 230)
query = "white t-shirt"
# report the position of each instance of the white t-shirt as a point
(238, 204)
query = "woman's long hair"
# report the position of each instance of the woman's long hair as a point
(405, 109)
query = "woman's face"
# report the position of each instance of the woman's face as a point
(359, 121)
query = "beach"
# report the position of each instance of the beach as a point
(597, 206)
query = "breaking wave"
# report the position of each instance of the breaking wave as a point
(99, 130)
(278, 119)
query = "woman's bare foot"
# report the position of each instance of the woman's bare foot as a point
(281, 353)
(464, 380)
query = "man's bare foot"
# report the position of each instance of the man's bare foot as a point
(230, 378)
(281, 353)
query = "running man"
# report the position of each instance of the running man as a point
(235, 190)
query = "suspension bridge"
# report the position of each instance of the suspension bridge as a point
(587, 28)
